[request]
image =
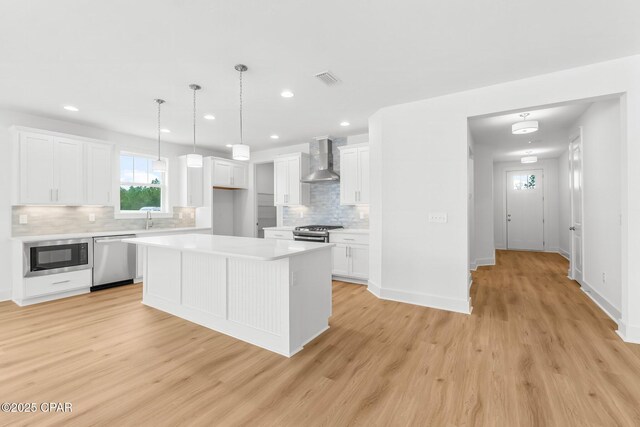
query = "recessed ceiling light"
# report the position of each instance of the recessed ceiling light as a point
(286, 94)
(344, 123)
(71, 108)
(274, 137)
(165, 130)
(209, 117)
(229, 145)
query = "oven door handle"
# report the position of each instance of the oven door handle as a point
(113, 239)
(309, 238)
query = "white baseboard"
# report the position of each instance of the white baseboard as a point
(500, 246)
(564, 254)
(349, 279)
(473, 266)
(629, 333)
(5, 295)
(486, 261)
(601, 302)
(425, 300)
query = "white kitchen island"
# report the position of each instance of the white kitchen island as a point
(275, 294)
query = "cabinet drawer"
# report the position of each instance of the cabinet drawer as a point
(55, 283)
(361, 239)
(278, 234)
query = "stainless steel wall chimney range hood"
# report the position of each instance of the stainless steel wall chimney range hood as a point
(325, 172)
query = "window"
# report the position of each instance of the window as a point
(524, 182)
(141, 189)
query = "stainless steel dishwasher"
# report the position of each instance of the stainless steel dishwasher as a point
(114, 262)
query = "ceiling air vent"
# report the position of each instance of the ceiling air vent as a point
(327, 78)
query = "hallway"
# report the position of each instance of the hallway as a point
(564, 362)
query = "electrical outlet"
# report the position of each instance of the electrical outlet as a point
(92, 217)
(24, 219)
(440, 217)
(193, 215)
(180, 215)
(301, 214)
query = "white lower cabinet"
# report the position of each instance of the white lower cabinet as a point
(350, 255)
(52, 286)
(278, 234)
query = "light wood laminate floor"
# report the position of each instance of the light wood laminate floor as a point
(535, 352)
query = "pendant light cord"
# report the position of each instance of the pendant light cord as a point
(241, 139)
(159, 128)
(194, 120)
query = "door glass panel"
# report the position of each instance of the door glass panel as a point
(524, 182)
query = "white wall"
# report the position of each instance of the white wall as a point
(420, 149)
(551, 201)
(264, 178)
(122, 142)
(483, 207)
(564, 204)
(602, 202)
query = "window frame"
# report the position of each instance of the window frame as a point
(165, 208)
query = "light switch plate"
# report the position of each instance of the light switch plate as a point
(23, 219)
(92, 217)
(439, 217)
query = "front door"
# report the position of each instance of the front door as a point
(575, 175)
(525, 210)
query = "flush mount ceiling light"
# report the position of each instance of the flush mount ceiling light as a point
(194, 160)
(209, 117)
(525, 126)
(71, 108)
(529, 159)
(229, 145)
(274, 137)
(344, 124)
(159, 165)
(286, 94)
(165, 130)
(241, 151)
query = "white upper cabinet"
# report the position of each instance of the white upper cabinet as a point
(62, 170)
(354, 174)
(99, 173)
(191, 182)
(229, 173)
(36, 168)
(288, 170)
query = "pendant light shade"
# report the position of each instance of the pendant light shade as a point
(194, 160)
(241, 151)
(529, 159)
(525, 126)
(159, 165)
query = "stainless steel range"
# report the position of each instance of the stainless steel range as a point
(314, 233)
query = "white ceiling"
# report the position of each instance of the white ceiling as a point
(112, 58)
(550, 141)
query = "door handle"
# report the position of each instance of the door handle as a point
(61, 282)
(572, 228)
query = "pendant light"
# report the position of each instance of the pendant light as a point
(194, 160)
(241, 151)
(525, 126)
(159, 165)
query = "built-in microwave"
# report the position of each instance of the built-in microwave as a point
(57, 256)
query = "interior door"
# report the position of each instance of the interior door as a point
(575, 175)
(525, 210)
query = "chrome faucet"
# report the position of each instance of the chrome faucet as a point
(149, 222)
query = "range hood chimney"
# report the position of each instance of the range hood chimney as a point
(325, 172)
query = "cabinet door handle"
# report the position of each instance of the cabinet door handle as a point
(108, 196)
(51, 194)
(348, 239)
(61, 282)
(57, 198)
